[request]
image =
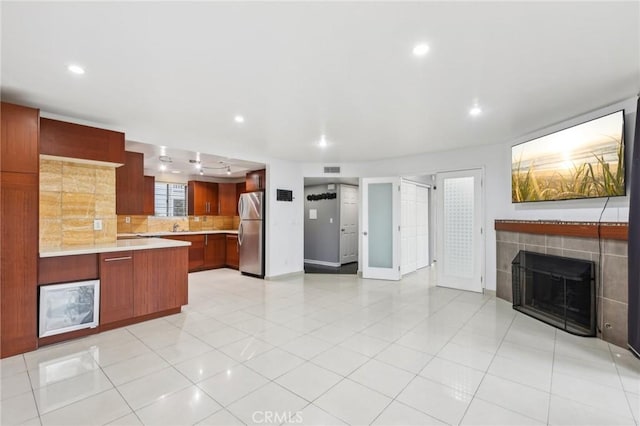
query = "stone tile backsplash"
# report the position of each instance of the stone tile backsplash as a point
(72, 195)
(609, 256)
(143, 224)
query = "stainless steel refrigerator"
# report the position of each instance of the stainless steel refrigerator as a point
(251, 233)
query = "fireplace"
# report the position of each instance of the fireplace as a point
(557, 290)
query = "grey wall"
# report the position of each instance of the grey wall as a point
(322, 238)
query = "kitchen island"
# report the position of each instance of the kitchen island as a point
(139, 279)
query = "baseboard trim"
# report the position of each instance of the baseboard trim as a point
(322, 263)
(283, 276)
(491, 293)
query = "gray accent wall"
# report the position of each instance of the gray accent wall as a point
(321, 237)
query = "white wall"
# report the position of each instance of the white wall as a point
(496, 161)
(284, 227)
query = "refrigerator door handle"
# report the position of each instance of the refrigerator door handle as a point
(240, 203)
(240, 235)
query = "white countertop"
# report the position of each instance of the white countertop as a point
(169, 233)
(119, 245)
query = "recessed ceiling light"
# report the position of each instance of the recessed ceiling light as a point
(201, 173)
(198, 166)
(238, 119)
(228, 170)
(76, 69)
(475, 111)
(175, 171)
(420, 49)
(163, 167)
(323, 142)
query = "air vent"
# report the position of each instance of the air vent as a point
(332, 169)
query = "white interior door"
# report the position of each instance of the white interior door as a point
(422, 226)
(348, 224)
(408, 231)
(381, 228)
(459, 252)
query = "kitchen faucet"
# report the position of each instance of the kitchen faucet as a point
(175, 227)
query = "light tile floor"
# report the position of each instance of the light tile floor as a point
(326, 349)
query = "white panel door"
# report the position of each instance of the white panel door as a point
(408, 231)
(348, 224)
(381, 228)
(460, 236)
(422, 226)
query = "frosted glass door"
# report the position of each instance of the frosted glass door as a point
(460, 209)
(380, 223)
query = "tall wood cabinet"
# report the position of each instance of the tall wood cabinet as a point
(19, 169)
(149, 196)
(130, 185)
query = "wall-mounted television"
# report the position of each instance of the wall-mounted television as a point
(583, 161)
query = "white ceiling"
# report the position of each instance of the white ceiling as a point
(176, 73)
(182, 163)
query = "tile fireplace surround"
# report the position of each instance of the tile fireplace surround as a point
(576, 240)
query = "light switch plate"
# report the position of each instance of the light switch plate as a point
(127, 219)
(196, 218)
(97, 225)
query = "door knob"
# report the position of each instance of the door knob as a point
(364, 233)
(342, 229)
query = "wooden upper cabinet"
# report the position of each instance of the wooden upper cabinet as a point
(63, 139)
(149, 196)
(227, 199)
(256, 181)
(202, 198)
(130, 185)
(19, 143)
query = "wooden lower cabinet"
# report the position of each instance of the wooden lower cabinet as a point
(215, 251)
(196, 250)
(233, 258)
(208, 251)
(160, 279)
(116, 286)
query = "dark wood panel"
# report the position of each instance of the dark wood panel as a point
(19, 142)
(227, 199)
(256, 180)
(130, 185)
(18, 262)
(233, 258)
(149, 197)
(62, 269)
(160, 279)
(215, 251)
(116, 286)
(64, 139)
(607, 231)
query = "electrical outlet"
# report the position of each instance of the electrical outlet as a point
(97, 225)
(196, 219)
(330, 220)
(127, 219)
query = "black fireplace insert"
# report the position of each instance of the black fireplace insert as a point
(557, 290)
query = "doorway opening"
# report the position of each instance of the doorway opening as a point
(331, 207)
